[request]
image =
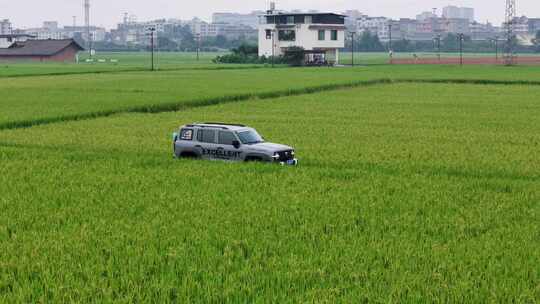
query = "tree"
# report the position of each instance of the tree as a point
(221, 41)
(294, 56)
(450, 43)
(370, 43)
(403, 45)
(246, 49)
(166, 44)
(245, 53)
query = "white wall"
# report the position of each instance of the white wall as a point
(5, 43)
(305, 37)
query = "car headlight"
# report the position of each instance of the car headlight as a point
(276, 155)
(292, 152)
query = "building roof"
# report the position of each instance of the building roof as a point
(301, 14)
(47, 47)
(16, 36)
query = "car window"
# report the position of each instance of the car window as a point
(207, 136)
(250, 137)
(186, 134)
(226, 138)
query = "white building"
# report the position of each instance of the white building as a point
(454, 12)
(5, 27)
(351, 19)
(203, 28)
(484, 31)
(320, 34)
(50, 30)
(426, 16)
(6, 40)
(375, 25)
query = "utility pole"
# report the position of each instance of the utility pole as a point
(198, 45)
(87, 25)
(91, 43)
(273, 45)
(460, 38)
(390, 36)
(152, 30)
(439, 47)
(352, 48)
(496, 40)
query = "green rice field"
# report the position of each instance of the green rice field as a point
(415, 184)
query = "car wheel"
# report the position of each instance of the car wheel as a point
(253, 159)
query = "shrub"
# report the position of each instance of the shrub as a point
(294, 56)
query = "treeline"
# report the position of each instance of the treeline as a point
(179, 39)
(249, 53)
(183, 40)
(368, 42)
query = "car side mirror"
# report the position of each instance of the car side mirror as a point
(236, 144)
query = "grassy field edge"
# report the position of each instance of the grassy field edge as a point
(183, 105)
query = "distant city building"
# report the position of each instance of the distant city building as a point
(425, 16)
(484, 31)
(132, 32)
(229, 30)
(251, 19)
(6, 40)
(237, 26)
(524, 28)
(521, 25)
(351, 19)
(51, 30)
(454, 12)
(203, 28)
(5, 27)
(98, 34)
(375, 25)
(235, 31)
(534, 25)
(50, 25)
(455, 25)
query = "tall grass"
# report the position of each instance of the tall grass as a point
(405, 193)
(33, 101)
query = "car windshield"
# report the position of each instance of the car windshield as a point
(250, 137)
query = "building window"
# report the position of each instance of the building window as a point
(290, 19)
(268, 34)
(287, 35)
(334, 35)
(322, 35)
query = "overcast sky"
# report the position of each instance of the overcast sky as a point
(31, 13)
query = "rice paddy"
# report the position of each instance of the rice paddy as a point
(408, 190)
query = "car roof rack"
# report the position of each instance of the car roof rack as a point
(224, 124)
(217, 125)
(205, 126)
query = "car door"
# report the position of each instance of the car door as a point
(207, 143)
(225, 145)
